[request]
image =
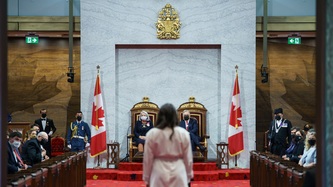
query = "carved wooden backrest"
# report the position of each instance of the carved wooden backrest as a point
(197, 111)
(147, 106)
(22, 127)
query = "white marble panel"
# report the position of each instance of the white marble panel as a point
(170, 75)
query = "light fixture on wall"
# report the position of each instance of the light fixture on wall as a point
(264, 74)
(70, 75)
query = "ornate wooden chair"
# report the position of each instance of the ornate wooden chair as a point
(152, 110)
(198, 111)
(57, 146)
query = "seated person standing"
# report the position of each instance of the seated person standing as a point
(76, 134)
(32, 151)
(15, 162)
(191, 125)
(142, 126)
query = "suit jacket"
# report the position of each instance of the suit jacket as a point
(279, 134)
(192, 126)
(32, 152)
(48, 127)
(298, 150)
(140, 130)
(12, 164)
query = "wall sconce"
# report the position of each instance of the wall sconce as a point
(70, 75)
(264, 74)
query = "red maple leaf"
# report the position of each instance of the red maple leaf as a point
(97, 116)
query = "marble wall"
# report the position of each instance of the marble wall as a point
(170, 74)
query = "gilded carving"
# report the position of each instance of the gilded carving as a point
(145, 104)
(192, 104)
(168, 24)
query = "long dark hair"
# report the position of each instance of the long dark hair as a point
(167, 117)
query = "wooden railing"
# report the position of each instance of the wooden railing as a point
(268, 170)
(65, 170)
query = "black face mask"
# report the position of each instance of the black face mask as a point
(312, 142)
(43, 142)
(186, 117)
(43, 115)
(79, 118)
(278, 117)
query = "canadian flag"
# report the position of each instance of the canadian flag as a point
(235, 137)
(98, 132)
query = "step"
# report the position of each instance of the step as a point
(234, 174)
(128, 175)
(135, 166)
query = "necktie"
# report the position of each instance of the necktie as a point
(18, 157)
(291, 148)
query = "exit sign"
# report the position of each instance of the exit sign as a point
(294, 40)
(31, 39)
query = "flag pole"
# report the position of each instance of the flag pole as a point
(98, 164)
(236, 67)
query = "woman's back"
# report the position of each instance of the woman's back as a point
(168, 162)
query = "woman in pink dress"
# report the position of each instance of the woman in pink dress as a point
(167, 160)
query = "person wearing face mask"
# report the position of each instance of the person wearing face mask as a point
(279, 133)
(298, 149)
(142, 126)
(15, 162)
(46, 125)
(191, 125)
(35, 127)
(309, 157)
(32, 152)
(76, 134)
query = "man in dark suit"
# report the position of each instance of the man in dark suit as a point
(46, 125)
(191, 125)
(279, 133)
(32, 152)
(15, 162)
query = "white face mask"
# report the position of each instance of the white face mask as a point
(144, 118)
(16, 144)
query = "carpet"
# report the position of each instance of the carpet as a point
(113, 183)
(132, 171)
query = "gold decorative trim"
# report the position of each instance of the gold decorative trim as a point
(145, 104)
(192, 104)
(168, 24)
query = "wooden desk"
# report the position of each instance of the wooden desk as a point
(113, 154)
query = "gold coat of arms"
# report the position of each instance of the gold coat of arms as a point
(168, 24)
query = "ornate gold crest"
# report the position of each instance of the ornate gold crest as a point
(168, 24)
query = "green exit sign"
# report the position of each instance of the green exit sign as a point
(294, 40)
(31, 39)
